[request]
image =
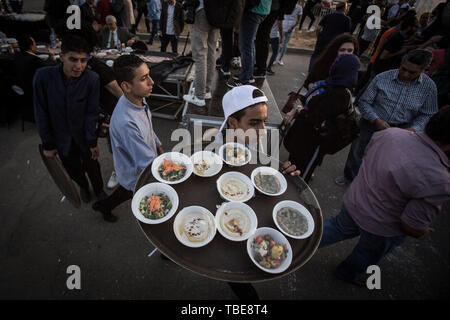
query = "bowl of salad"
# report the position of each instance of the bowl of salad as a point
(154, 203)
(172, 168)
(269, 250)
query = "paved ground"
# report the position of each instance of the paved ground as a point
(40, 236)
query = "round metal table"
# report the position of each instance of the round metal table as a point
(223, 259)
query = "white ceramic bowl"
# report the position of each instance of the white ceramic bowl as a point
(154, 189)
(128, 49)
(247, 210)
(235, 145)
(213, 160)
(278, 175)
(41, 46)
(101, 54)
(109, 63)
(174, 157)
(203, 213)
(240, 176)
(43, 56)
(278, 238)
(297, 206)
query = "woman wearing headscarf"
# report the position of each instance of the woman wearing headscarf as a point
(324, 102)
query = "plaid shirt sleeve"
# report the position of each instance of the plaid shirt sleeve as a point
(429, 108)
(367, 101)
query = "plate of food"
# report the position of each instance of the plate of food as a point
(269, 250)
(235, 154)
(269, 181)
(172, 168)
(235, 186)
(194, 226)
(154, 203)
(43, 56)
(206, 163)
(101, 54)
(293, 219)
(236, 221)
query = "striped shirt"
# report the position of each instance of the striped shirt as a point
(399, 103)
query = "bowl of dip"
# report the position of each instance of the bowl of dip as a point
(235, 186)
(206, 163)
(293, 219)
(235, 154)
(269, 181)
(236, 221)
(194, 226)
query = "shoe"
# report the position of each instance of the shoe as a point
(251, 80)
(225, 73)
(101, 195)
(232, 83)
(107, 215)
(280, 62)
(85, 195)
(194, 100)
(113, 182)
(236, 63)
(341, 181)
(270, 72)
(259, 75)
(208, 95)
(311, 30)
(361, 282)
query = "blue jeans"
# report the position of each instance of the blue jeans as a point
(247, 33)
(368, 251)
(287, 36)
(356, 153)
(155, 29)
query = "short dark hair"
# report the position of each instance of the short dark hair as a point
(124, 67)
(410, 21)
(419, 57)
(341, 5)
(25, 42)
(74, 43)
(438, 128)
(239, 114)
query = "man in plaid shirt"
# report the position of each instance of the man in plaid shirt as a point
(404, 97)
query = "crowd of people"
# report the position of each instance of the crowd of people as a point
(397, 167)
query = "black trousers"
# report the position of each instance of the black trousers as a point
(165, 39)
(227, 48)
(244, 291)
(119, 196)
(307, 13)
(142, 12)
(77, 163)
(262, 41)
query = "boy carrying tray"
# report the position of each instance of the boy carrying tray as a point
(133, 141)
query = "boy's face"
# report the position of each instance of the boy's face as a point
(254, 118)
(74, 63)
(142, 84)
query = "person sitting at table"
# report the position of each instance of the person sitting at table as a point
(133, 140)
(245, 107)
(26, 63)
(111, 35)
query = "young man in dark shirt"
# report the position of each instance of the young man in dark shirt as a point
(66, 100)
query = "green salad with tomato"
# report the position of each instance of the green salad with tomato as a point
(268, 253)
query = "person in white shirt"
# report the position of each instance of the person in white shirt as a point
(290, 21)
(171, 25)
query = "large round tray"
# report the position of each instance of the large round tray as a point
(223, 259)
